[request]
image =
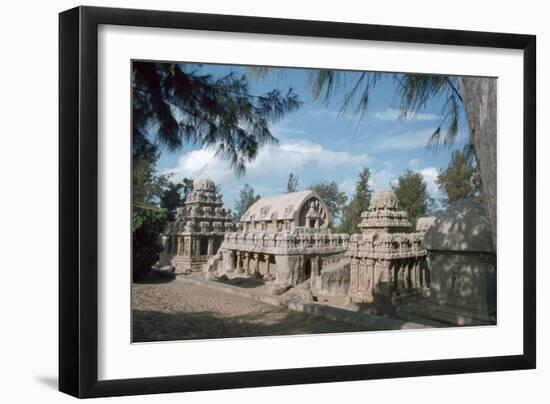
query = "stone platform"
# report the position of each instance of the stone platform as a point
(261, 293)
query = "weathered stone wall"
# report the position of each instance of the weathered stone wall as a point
(334, 280)
(463, 264)
(466, 280)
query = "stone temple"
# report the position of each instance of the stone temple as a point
(284, 238)
(386, 258)
(443, 272)
(198, 230)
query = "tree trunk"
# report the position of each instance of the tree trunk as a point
(479, 96)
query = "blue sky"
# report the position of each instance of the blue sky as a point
(319, 144)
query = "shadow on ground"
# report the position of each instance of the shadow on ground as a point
(151, 326)
(155, 276)
(247, 283)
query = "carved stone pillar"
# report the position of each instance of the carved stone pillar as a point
(247, 263)
(197, 251)
(353, 281)
(256, 264)
(376, 270)
(233, 260)
(402, 277)
(424, 270)
(174, 245)
(180, 245)
(169, 243)
(392, 275)
(187, 247)
(210, 250)
(416, 266)
(315, 267)
(238, 264)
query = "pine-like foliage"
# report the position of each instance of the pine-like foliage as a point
(173, 104)
(460, 179)
(173, 196)
(292, 184)
(413, 91)
(412, 194)
(247, 197)
(359, 203)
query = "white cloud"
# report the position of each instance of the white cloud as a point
(201, 163)
(404, 140)
(430, 175)
(348, 186)
(287, 156)
(382, 180)
(330, 113)
(279, 130)
(392, 114)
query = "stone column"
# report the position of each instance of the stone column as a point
(238, 262)
(247, 263)
(174, 245)
(180, 246)
(197, 251)
(400, 277)
(314, 267)
(187, 246)
(376, 269)
(353, 275)
(417, 283)
(424, 270)
(267, 266)
(233, 260)
(371, 278)
(256, 264)
(167, 245)
(210, 250)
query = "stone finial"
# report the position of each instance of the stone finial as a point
(384, 200)
(204, 184)
(384, 215)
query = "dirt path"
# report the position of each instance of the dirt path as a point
(176, 310)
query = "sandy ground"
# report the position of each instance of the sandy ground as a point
(171, 309)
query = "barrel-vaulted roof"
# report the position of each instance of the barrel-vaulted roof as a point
(280, 207)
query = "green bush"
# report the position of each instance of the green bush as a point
(147, 226)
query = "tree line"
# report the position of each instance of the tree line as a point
(459, 180)
(174, 105)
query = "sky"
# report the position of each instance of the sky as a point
(319, 144)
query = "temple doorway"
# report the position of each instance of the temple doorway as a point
(307, 269)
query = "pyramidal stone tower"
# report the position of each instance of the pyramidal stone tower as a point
(386, 257)
(198, 230)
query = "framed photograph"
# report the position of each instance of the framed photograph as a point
(251, 201)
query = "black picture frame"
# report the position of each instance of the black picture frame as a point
(78, 201)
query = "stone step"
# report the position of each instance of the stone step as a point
(450, 316)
